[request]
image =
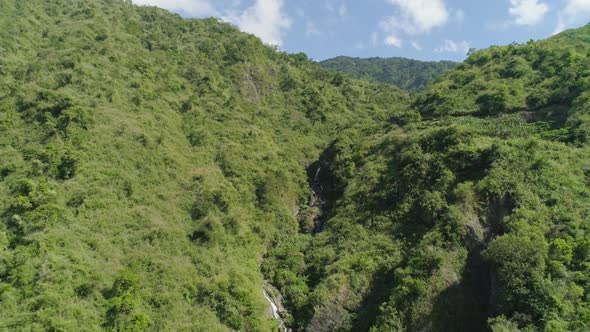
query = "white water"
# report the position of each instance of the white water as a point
(316, 178)
(275, 312)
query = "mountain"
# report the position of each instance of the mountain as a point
(472, 216)
(407, 74)
(148, 163)
(160, 173)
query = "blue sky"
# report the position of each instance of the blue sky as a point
(419, 29)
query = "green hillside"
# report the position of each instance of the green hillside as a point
(474, 217)
(155, 170)
(407, 74)
(147, 163)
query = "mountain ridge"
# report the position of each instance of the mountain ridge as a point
(407, 74)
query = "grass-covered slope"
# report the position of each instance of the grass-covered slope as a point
(408, 74)
(148, 161)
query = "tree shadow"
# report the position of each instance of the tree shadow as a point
(383, 283)
(465, 306)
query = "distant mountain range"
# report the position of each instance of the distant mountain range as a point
(407, 74)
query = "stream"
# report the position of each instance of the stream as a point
(275, 306)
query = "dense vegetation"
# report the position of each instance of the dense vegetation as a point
(148, 161)
(408, 74)
(155, 170)
(472, 215)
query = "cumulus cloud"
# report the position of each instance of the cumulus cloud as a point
(264, 19)
(418, 16)
(451, 46)
(528, 12)
(573, 12)
(415, 17)
(195, 8)
(393, 41)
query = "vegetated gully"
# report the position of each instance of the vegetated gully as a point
(322, 197)
(477, 283)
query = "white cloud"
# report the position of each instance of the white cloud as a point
(393, 41)
(453, 47)
(264, 19)
(416, 46)
(417, 16)
(528, 12)
(195, 8)
(573, 12)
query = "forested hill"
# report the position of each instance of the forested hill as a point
(407, 74)
(155, 171)
(149, 162)
(474, 216)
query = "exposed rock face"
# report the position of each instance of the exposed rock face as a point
(332, 316)
(275, 310)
